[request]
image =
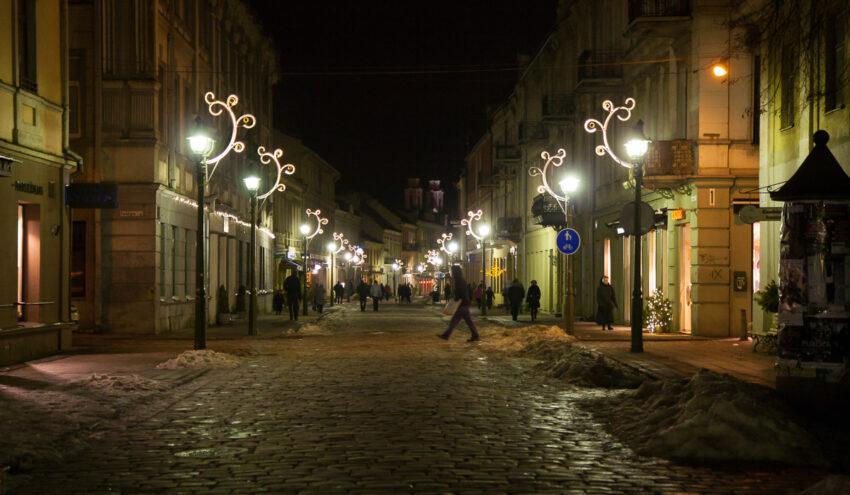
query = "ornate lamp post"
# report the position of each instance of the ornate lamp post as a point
(201, 145)
(480, 237)
(333, 250)
(569, 185)
(636, 149)
(396, 268)
(305, 231)
(253, 185)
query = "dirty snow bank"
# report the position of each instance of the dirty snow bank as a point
(120, 385)
(560, 359)
(708, 417)
(205, 358)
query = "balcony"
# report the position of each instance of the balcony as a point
(532, 131)
(658, 17)
(547, 212)
(509, 228)
(600, 65)
(670, 158)
(558, 107)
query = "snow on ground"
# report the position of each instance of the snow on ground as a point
(514, 340)
(113, 385)
(708, 417)
(204, 358)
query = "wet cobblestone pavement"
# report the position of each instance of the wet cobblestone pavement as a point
(377, 404)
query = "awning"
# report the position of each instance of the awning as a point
(295, 264)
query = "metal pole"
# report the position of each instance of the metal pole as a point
(304, 292)
(637, 293)
(200, 291)
(484, 276)
(569, 296)
(332, 276)
(252, 268)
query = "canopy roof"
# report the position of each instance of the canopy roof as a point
(820, 176)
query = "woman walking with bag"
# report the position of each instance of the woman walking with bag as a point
(461, 294)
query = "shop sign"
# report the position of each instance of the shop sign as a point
(29, 187)
(740, 281)
(91, 195)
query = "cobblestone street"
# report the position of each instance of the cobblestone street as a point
(375, 403)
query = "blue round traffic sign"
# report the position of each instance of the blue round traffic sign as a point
(568, 241)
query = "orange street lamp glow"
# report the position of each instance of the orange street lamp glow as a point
(719, 70)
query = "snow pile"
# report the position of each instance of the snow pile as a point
(128, 384)
(709, 417)
(834, 484)
(205, 358)
(583, 368)
(518, 340)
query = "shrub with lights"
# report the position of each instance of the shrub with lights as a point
(659, 312)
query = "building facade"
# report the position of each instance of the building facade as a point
(139, 72)
(35, 166)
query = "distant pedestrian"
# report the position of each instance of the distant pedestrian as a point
(292, 286)
(462, 295)
(533, 299)
(447, 290)
(606, 301)
(515, 296)
(319, 297)
(277, 302)
(479, 295)
(488, 296)
(376, 292)
(338, 291)
(388, 292)
(362, 294)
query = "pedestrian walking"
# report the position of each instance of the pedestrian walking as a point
(277, 302)
(362, 294)
(488, 295)
(606, 301)
(376, 292)
(338, 289)
(461, 294)
(533, 299)
(387, 292)
(319, 297)
(515, 296)
(292, 286)
(447, 290)
(479, 295)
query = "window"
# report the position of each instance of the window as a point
(173, 261)
(835, 54)
(651, 259)
(606, 258)
(26, 45)
(787, 81)
(162, 250)
(74, 126)
(187, 258)
(261, 263)
(78, 260)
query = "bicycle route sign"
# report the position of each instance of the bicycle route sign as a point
(568, 241)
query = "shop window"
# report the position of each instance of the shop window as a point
(78, 260)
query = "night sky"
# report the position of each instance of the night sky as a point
(386, 90)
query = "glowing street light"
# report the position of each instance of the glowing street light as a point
(252, 183)
(201, 145)
(483, 231)
(636, 148)
(334, 247)
(309, 233)
(719, 70)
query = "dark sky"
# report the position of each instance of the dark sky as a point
(386, 90)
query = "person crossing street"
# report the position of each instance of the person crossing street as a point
(376, 292)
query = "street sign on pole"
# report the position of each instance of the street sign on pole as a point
(627, 218)
(752, 214)
(568, 241)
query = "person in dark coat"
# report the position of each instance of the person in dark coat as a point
(447, 290)
(606, 301)
(292, 286)
(463, 308)
(277, 302)
(515, 296)
(338, 291)
(488, 296)
(533, 299)
(363, 293)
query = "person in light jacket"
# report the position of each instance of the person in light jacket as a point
(376, 293)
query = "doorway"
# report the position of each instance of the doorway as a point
(29, 261)
(685, 278)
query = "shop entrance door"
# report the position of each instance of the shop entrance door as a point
(29, 261)
(685, 278)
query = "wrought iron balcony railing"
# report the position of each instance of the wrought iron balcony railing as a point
(674, 157)
(658, 8)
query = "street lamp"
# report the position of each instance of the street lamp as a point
(333, 250)
(396, 267)
(308, 236)
(636, 148)
(483, 231)
(201, 146)
(252, 183)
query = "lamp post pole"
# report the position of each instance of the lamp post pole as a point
(252, 267)
(304, 284)
(200, 283)
(636, 148)
(305, 230)
(481, 236)
(569, 293)
(333, 250)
